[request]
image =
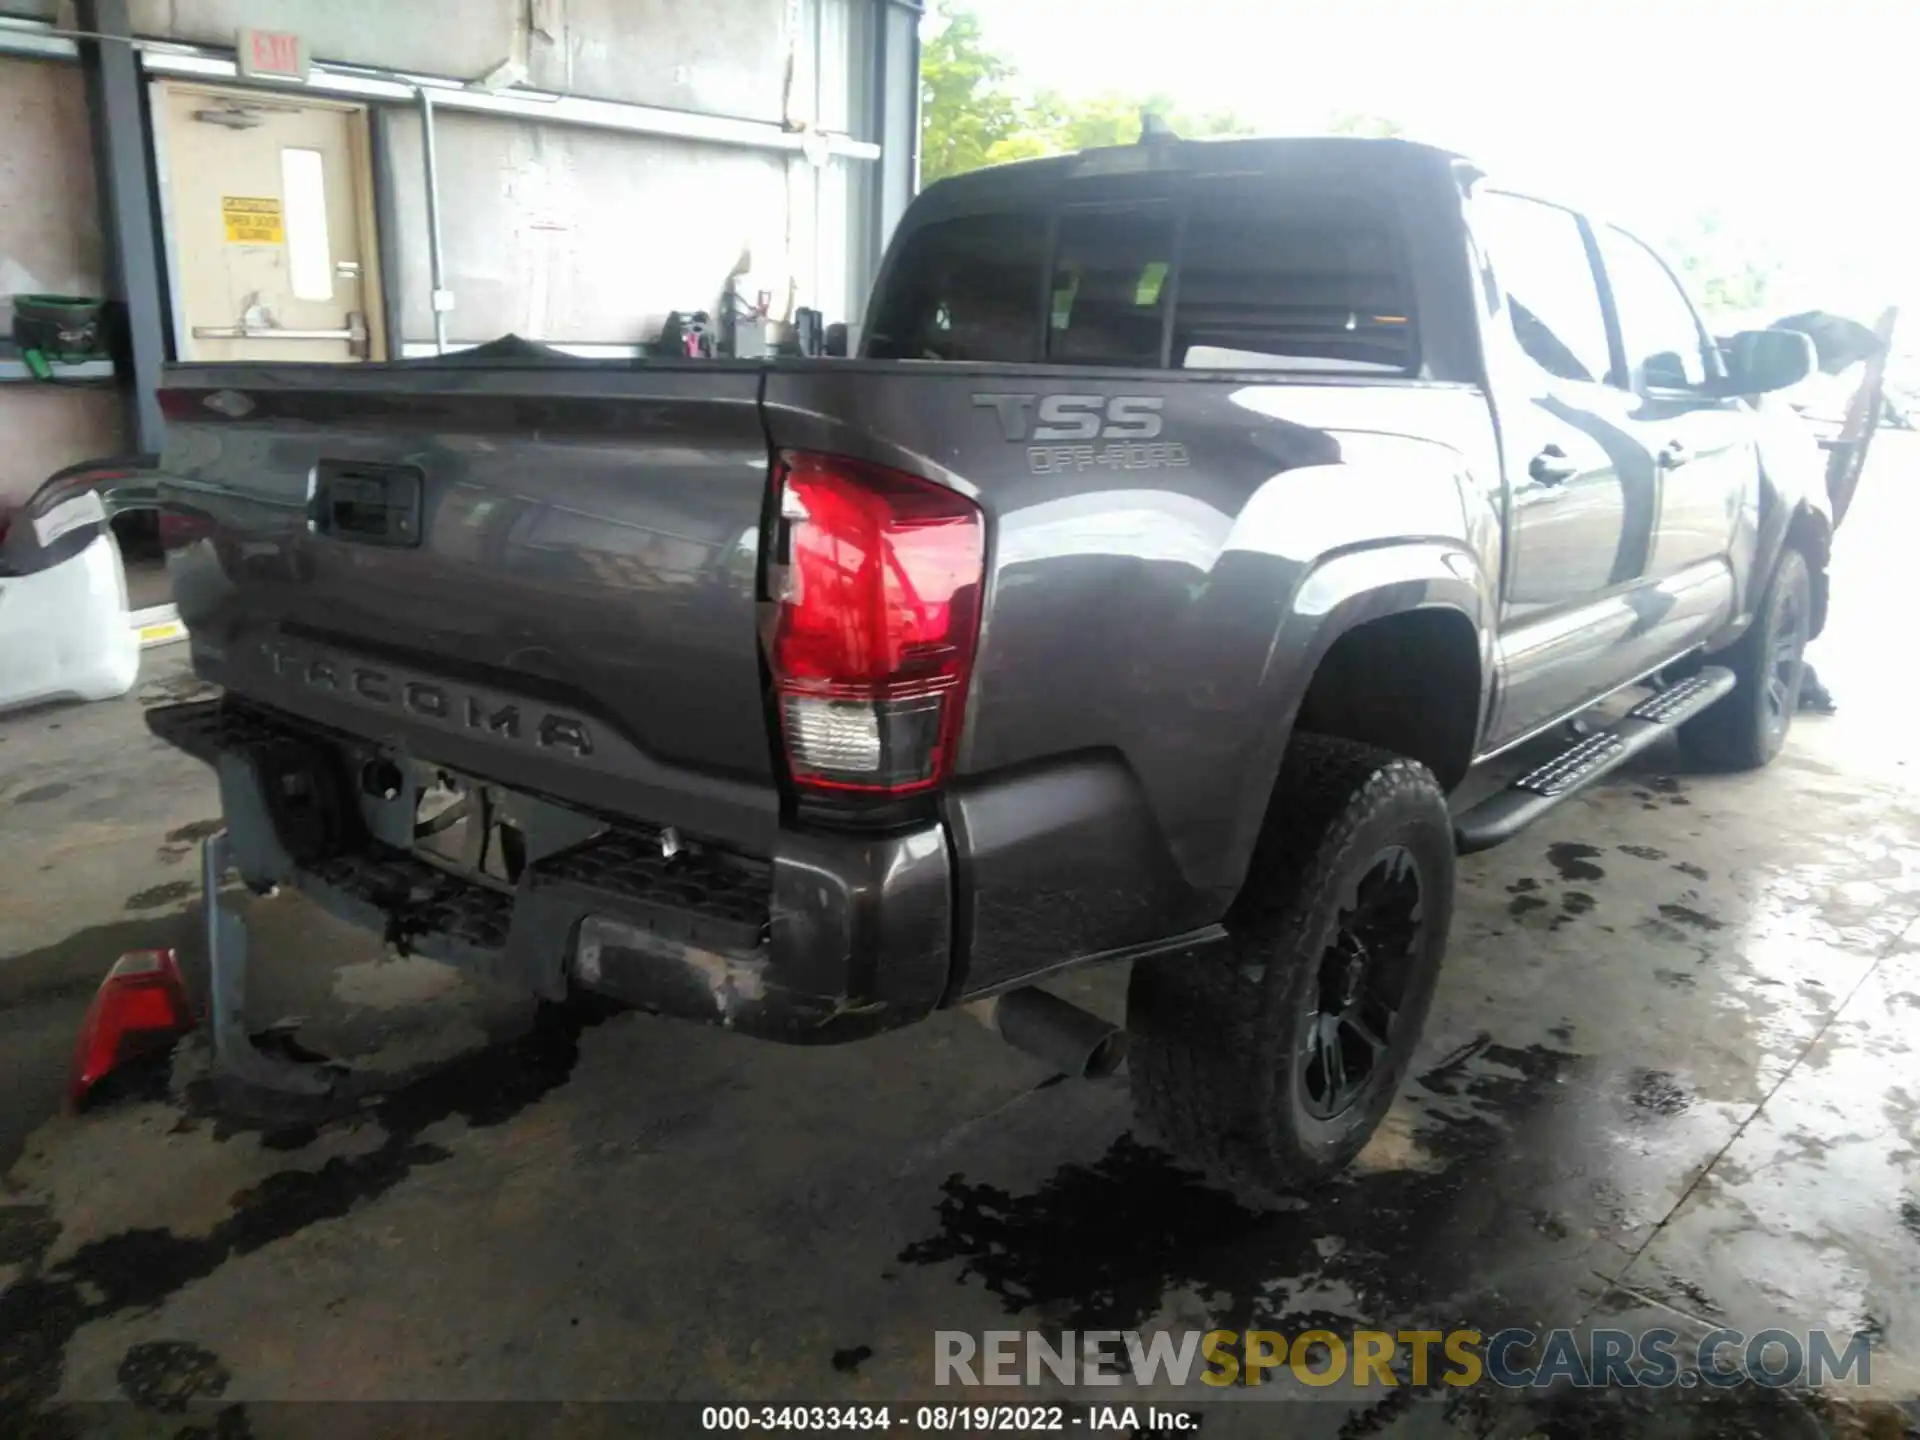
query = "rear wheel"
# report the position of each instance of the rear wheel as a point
(1271, 1060)
(1746, 727)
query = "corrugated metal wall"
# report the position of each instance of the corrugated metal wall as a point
(577, 235)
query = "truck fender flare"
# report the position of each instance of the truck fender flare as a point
(1339, 594)
(1803, 521)
(1808, 528)
(1789, 502)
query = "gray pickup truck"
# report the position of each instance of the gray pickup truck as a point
(1193, 520)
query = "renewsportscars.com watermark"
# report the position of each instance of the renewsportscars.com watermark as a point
(1384, 1359)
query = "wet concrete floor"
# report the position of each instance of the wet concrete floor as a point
(1670, 1080)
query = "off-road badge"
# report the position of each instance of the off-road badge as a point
(1086, 432)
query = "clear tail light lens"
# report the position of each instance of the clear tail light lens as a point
(878, 594)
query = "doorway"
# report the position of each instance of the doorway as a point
(268, 205)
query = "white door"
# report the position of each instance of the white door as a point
(269, 226)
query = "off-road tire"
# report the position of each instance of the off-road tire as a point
(1216, 1063)
(1744, 730)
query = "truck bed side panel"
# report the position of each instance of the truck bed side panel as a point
(1148, 629)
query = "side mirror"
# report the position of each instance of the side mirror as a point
(1762, 361)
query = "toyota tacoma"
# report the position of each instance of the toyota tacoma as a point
(1190, 522)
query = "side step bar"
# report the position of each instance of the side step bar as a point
(1505, 813)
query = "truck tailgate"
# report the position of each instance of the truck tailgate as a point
(542, 575)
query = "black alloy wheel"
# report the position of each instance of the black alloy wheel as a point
(1346, 1035)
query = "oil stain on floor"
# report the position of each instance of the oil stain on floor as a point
(1102, 1245)
(138, 1269)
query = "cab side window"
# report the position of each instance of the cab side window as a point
(1540, 259)
(1666, 348)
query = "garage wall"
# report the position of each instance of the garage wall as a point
(558, 233)
(49, 233)
(44, 428)
(49, 243)
(579, 236)
(725, 57)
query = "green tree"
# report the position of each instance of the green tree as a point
(1376, 127)
(974, 112)
(1113, 119)
(1728, 272)
(968, 105)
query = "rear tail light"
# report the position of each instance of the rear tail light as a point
(877, 584)
(140, 1008)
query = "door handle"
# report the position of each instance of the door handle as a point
(1673, 455)
(365, 504)
(242, 332)
(1551, 466)
(355, 334)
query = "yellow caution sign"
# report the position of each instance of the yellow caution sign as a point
(252, 222)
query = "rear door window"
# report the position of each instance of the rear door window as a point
(1540, 258)
(965, 289)
(1308, 281)
(1107, 303)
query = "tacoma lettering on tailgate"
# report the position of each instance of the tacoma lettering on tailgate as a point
(452, 707)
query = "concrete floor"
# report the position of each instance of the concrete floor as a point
(1670, 1079)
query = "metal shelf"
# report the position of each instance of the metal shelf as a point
(13, 370)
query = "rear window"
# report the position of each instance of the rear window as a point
(1109, 291)
(965, 290)
(1313, 283)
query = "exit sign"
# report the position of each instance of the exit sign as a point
(272, 55)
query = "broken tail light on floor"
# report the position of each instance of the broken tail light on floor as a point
(140, 1009)
(876, 579)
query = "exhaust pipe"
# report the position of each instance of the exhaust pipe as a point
(1074, 1041)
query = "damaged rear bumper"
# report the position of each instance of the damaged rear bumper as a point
(830, 938)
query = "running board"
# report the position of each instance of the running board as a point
(1507, 812)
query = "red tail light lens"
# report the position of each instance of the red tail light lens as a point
(140, 1007)
(878, 591)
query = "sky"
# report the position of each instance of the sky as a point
(1798, 121)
